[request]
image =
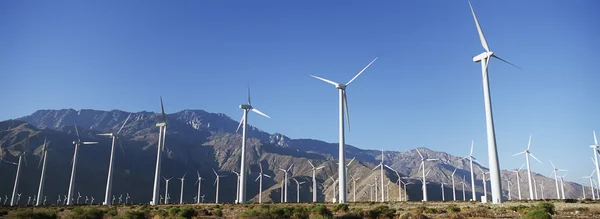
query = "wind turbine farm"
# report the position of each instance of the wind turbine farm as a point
(398, 159)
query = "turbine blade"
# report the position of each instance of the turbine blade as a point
(249, 102)
(529, 144)
(89, 142)
(105, 134)
(471, 154)
(257, 178)
(321, 167)
(520, 168)
(376, 166)
(325, 80)
(595, 139)
(313, 166)
(522, 152)
(121, 146)
(162, 107)
(77, 131)
(507, 62)
(266, 175)
(259, 112)
(481, 37)
(240, 125)
(419, 153)
(432, 159)
(359, 73)
(535, 158)
(290, 167)
(554, 167)
(124, 123)
(215, 172)
(346, 107)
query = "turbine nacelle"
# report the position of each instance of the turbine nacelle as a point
(245, 106)
(482, 56)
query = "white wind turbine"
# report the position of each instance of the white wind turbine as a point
(343, 104)
(241, 195)
(471, 159)
(443, 195)
(127, 198)
(381, 166)
(285, 182)
(13, 199)
(167, 189)
(314, 180)
(260, 178)
(424, 174)
(542, 190)
(199, 182)
(535, 187)
(518, 180)
(562, 185)
(44, 155)
(453, 189)
(237, 186)
(399, 182)
(181, 195)
(555, 172)
(494, 163)
(591, 176)
(109, 179)
(333, 181)
(596, 148)
(354, 179)
(74, 168)
(298, 189)
(484, 182)
(217, 184)
(527, 154)
(162, 134)
(509, 184)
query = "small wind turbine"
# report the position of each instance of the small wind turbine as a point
(381, 166)
(535, 187)
(518, 180)
(562, 185)
(109, 179)
(217, 184)
(399, 181)
(92, 201)
(120, 199)
(18, 198)
(74, 168)
(17, 177)
(423, 159)
(199, 182)
(591, 176)
(314, 180)
(453, 189)
(508, 183)
(160, 148)
(354, 187)
(241, 195)
(285, 190)
(527, 154)
(86, 200)
(343, 105)
(237, 186)
(542, 189)
(484, 182)
(333, 185)
(494, 163)
(78, 197)
(463, 189)
(43, 157)
(596, 150)
(555, 172)
(298, 189)
(443, 195)
(44, 203)
(471, 159)
(167, 189)
(181, 195)
(28, 200)
(127, 198)
(260, 178)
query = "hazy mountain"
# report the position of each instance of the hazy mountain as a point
(199, 140)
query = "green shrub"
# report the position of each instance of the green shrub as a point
(453, 208)
(570, 200)
(538, 214)
(547, 207)
(431, 211)
(187, 212)
(173, 211)
(382, 211)
(87, 213)
(481, 212)
(28, 213)
(133, 214)
(162, 213)
(320, 210)
(112, 211)
(218, 213)
(341, 208)
(415, 213)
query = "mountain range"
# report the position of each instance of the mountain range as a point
(199, 141)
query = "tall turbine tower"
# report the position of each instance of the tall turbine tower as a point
(343, 104)
(162, 134)
(555, 172)
(381, 166)
(527, 154)
(218, 177)
(13, 199)
(298, 189)
(44, 155)
(424, 174)
(241, 196)
(181, 195)
(354, 187)
(596, 149)
(494, 164)
(508, 183)
(314, 180)
(285, 182)
(518, 180)
(260, 177)
(167, 196)
(199, 181)
(471, 159)
(107, 200)
(591, 176)
(453, 189)
(74, 168)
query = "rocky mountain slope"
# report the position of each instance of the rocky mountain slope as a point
(202, 141)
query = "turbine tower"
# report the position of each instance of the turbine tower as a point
(298, 189)
(343, 104)
(44, 155)
(314, 180)
(109, 179)
(453, 189)
(354, 187)
(285, 182)
(74, 168)
(471, 159)
(217, 184)
(13, 199)
(199, 181)
(484, 181)
(591, 176)
(381, 166)
(181, 195)
(260, 176)
(527, 154)
(494, 163)
(518, 180)
(562, 185)
(424, 174)
(555, 172)
(241, 195)
(162, 134)
(167, 197)
(508, 183)
(596, 150)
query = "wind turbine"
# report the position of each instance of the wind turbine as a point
(562, 185)
(464, 190)
(494, 164)
(285, 189)
(527, 154)
(484, 182)
(78, 197)
(199, 182)
(508, 183)
(43, 155)
(453, 189)
(591, 176)
(333, 185)
(381, 166)
(260, 176)
(542, 190)
(74, 168)
(181, 195)
(596, 148)
(471, 159)
(424, 174)
(13, 199)
(443, 195)
(167, 189)
(237, 186)
(535, 188)
(127, 198)
(111, 162)
(424, 187)
(555, 172)
(343, 104)
(241, 195)
(354, 187)
(217, 184)
(298, 189)
(314, 180)
(518, 181)
(399, 181)
(160, 148)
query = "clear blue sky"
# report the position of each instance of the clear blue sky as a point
(423, 91)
